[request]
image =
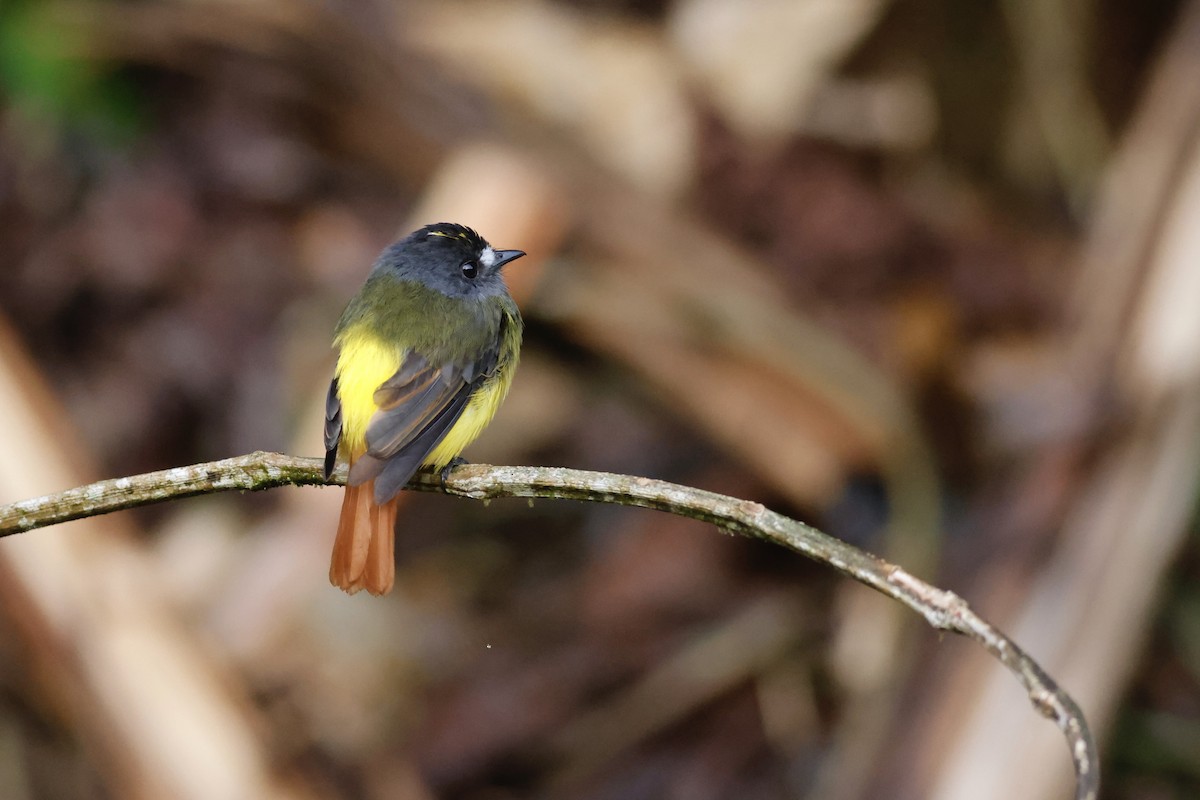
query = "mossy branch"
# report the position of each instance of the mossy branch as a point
(942, 609)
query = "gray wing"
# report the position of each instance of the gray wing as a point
(333, 427)
(418, 406)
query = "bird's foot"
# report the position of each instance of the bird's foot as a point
(457, 461)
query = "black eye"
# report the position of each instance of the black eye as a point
(470, 269)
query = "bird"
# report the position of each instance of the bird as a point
(427, 351)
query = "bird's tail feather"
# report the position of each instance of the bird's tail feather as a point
(363, 552)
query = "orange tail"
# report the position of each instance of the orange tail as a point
(363, 552)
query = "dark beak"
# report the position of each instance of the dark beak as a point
(505, 256)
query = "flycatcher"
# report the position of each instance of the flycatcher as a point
(427, 351)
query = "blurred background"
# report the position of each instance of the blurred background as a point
(924, 274)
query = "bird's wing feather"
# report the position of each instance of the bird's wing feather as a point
(333, 427)
(397, 469)
(409, 401)
(417, 406)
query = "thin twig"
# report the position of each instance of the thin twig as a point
(941, 609)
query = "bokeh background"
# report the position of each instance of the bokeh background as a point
(925, 274)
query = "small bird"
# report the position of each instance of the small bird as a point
(427, 352)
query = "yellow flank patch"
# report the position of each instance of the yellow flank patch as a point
(475, 417)
(364, 363)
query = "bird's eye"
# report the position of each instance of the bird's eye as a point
(470, 269)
